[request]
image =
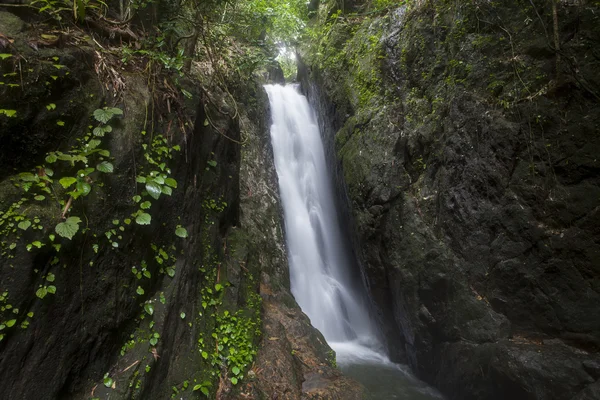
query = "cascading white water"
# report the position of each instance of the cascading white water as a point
(321, 279)
(319, 267)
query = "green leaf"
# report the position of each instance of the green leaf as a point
(116, 111)
(153, 189)
(4, 56)
(143, 219)
(235, 370)
(41, 292)
(98, 131)
(181, 232)
(69, 228)
(103, 115)
(67, 181)
(171, 271)
(212, 163)
(182, 315)
(108, 382)
(149, 308)
(24, 225)
(146, 205)
(9, 113)
(83, 188)
(51, 106)
(105, 167)
(40, 197)
(139, 290)
(204, 355)
(51, 277)
(197, 387)
(140, 179)
(10, 323)
(234, 380)
(167, 190)
(51, 289)
(60, 123)
(137, 198)
(51, 158)
(92, 144)
(171, 182)
(73, 220)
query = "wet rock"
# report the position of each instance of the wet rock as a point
(478, 239)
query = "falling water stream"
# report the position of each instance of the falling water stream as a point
(321, 277)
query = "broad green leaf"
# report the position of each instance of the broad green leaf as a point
(4, 56)
(105, 167)
(197, 387)
(149, 308)
(73, 220)
(137, 198)
(40, 197)
(146, 205)
(143, 219)
(234, 380)
(171, 182)
(69, 228)
(108, 382)
(182, 315)
(98, 131)
(41, 292)
(205, 391)
(167, 190)
(83, 188)
(116, 111)
(171, 271)
(51, 106)
(51, 277)
(153, 189)
(67, 181)
(24, 225)
(139, 290)
(28, 177)
(103, 115)
(181, 232)
(235, 370)
(10, 323)
(51, 158)
(212, 163)
(52, 289)
(92, 144)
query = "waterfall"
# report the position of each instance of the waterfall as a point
(321, 280)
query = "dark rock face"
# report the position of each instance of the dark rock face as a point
(472, 172)
(94, 337)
